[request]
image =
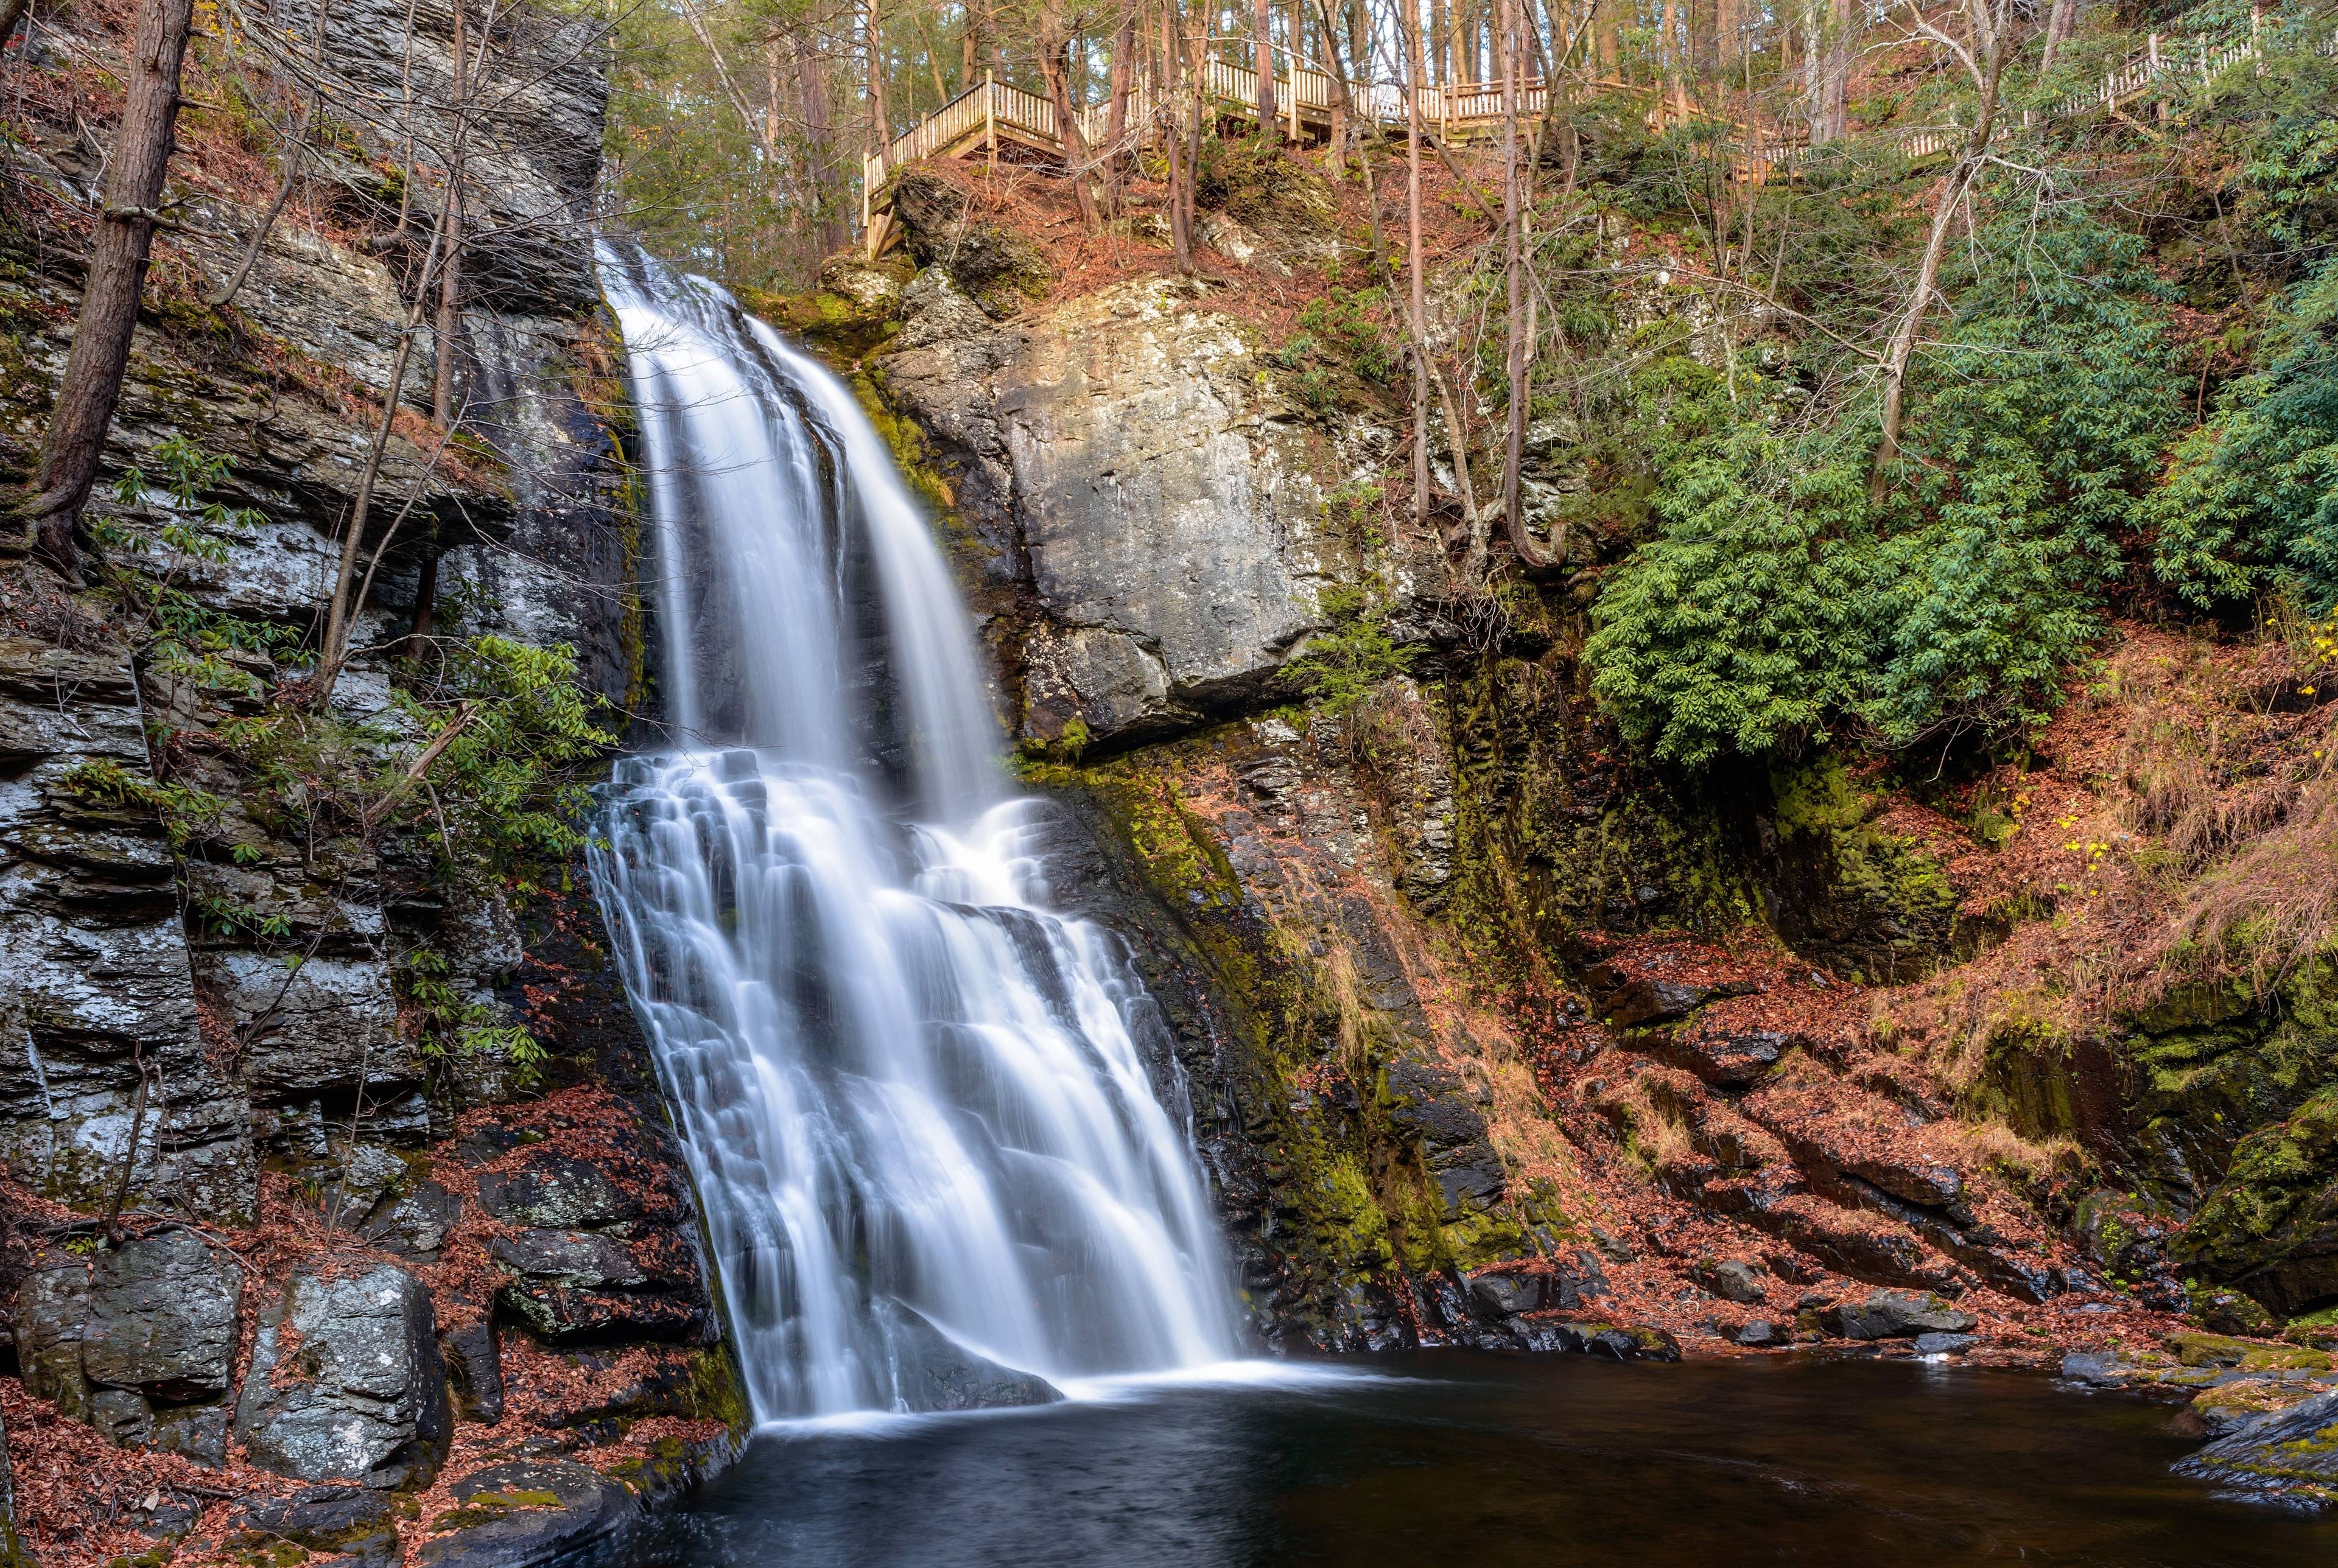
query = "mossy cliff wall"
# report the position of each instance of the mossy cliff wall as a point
(1457, 984)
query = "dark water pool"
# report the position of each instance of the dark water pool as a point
(1472, 1462)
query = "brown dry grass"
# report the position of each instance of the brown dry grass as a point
(2184, 827)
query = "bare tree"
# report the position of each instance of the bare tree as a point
(1054, 41)
(117, 276)
(295, 154)
(1982, 52)
(1262, 32)
(1515, 193)
(450, 272)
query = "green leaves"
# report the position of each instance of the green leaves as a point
(1732, 630)
(1771, 609)
(2251, 501)
(504, 784)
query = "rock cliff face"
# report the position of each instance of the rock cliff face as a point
(1488, 1030)
(1150, 513)
(346, 1252)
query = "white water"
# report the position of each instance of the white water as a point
(903, 1083)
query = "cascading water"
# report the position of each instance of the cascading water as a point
(911, 1093)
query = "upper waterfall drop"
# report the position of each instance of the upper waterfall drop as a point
(913, 1097)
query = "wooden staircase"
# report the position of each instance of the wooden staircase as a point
(992, 116)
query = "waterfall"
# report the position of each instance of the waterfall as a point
(911, 1094)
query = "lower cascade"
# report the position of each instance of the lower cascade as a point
(938, 1169)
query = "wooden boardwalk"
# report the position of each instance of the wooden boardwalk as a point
(991, 115)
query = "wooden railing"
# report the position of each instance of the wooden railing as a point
(2202, 57)
(1306, 92)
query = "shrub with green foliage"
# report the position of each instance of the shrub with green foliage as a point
(2250, 502)
(1734, 629)
(1769, 607)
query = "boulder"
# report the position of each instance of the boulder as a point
(555, 1192)
(524, 1513)
(931, 1371)
(581, 1259)
(125, 1417)
(1757, 1333)
(588, 1286)
(1507, 1295)
(938, 312)
(1734, 1280)
(2290, 1454)
(475, 1363)
(1619, 1342)
(52, 1309)
(364, 1173)
(1128, 445)
(1652, 999)
(354, 1520)
(162, 1317)
(1724, 1058)
(196, 1432)
(346, 1383)
(1895, 1315)
(414, 1223)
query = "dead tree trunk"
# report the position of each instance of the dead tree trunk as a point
(117, 276)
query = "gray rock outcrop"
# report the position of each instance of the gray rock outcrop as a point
(345, 1382)
(162, 1317)
(2291, 1453)
(1125, 456)
(524, 1513)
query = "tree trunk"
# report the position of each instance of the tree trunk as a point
(2057, 28)
(836, 233)
(1055, 65)
(1416, 305)
(1953, 187)
(1181, 173)
(450, 275)
(1514, 221)
(880, 123)
(117, 276)
(1261, 28)
(1826, 71)
(1123, 61)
